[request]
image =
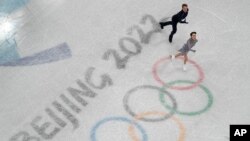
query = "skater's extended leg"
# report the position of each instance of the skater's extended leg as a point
(174, 26)
(174, 56)
(185, 61)
(178, 54)
(162, 24)
(185, 58)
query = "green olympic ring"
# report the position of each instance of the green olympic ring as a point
(209, 95)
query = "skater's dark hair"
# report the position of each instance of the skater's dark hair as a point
(184, 5)
(192, 33)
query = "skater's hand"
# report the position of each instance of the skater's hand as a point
(193, 50)
(184, 22)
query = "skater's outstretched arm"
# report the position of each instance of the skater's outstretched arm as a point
(184, 21)
(192, 50)
(190, 44)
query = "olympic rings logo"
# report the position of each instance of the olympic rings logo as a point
(162, 94)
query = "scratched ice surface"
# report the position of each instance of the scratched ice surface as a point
(77, 70)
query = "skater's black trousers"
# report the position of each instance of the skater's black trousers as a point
(174, 26)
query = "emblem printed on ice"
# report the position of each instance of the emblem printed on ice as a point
(10, 57)
(66, 109)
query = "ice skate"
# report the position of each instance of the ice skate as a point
(161, 25)
(184, 67)
(172, 57)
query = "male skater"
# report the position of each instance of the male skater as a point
(177, 18)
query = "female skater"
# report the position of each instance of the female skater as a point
(186, 48)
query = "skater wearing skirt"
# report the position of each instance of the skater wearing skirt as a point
(186, 48)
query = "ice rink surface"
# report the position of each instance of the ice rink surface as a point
(78, 70)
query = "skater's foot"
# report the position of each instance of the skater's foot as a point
(161, 25)
(170, 39)
(172, 57)
(184, 68)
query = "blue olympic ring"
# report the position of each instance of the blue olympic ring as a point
(123, 119)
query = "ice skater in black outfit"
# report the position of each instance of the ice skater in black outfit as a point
(177, 18)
